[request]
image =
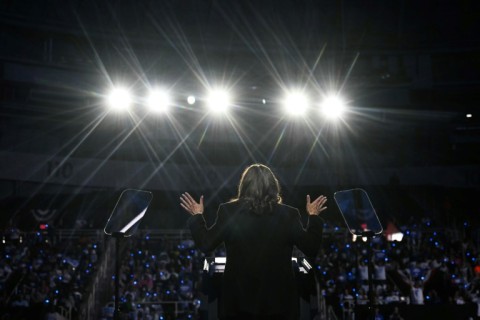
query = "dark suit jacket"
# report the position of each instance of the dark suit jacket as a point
(259, 277)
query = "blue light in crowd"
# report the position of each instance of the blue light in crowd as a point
(435, 233)
(60, 278)
(7, 256)
(56, 291)
(407, 232)
(427, 297)
(155, 294)
(64, 261)
(135, 283)
(139, 306)
(87, 271)
(147, 265)
(336, 228)
(353, 289)
(347, 246)
(47, 301)
(94, 246)
(89, 265)
(436, 243)
(153, 257)
(468, 254)
(319, 267)
(386, 259)
(394, 244)
(139, 252)
(38, 234)
(189, 316)
(131, 254)
(474, 259)
(161, 318)
(324, 273)
(168, 292)
(422, 278)
(453, 276)
(189, 257)
(431, 239)
(181, 281)
(465, 224)
(113, 277)
(131, 276)
(350, 274)
(147, 237)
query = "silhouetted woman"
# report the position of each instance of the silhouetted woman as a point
(259, 233)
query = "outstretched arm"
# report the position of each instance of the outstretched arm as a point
(206, 239)
(309, 240)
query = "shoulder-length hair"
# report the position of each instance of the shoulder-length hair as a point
(259, 188)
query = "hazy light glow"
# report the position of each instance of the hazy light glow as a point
(296, 103)
(469, 115)
(191, 100)
(159, 100)
(333, 107)
(218, 101)
(119, 99)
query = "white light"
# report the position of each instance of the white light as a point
(333, 107)
(395, 236)
(191, 100)
(469, 115)
(119, 99)
(264, 101)
(296, 103)
(159, 101)
(218, 101)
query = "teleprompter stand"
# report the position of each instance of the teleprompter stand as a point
(362, 222)
(123, 222)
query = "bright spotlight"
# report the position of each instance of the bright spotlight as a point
(333, 107)
(159, 100)
(191, 100)
(218, 101)
(119, 99)
(296, 103)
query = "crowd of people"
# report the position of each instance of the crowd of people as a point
(162, 279)
(41, 277)
(159, 279)
(430, 266)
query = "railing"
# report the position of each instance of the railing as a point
(109, 309)
(66, 313)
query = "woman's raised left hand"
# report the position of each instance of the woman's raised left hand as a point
(318, 205)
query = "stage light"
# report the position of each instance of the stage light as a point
(119, 99)
(191, 100)
(296, 103)
(469, 115)
(333, 107)
(159, 100)
(218, 101)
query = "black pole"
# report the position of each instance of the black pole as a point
(117, 236)
(371, 295)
